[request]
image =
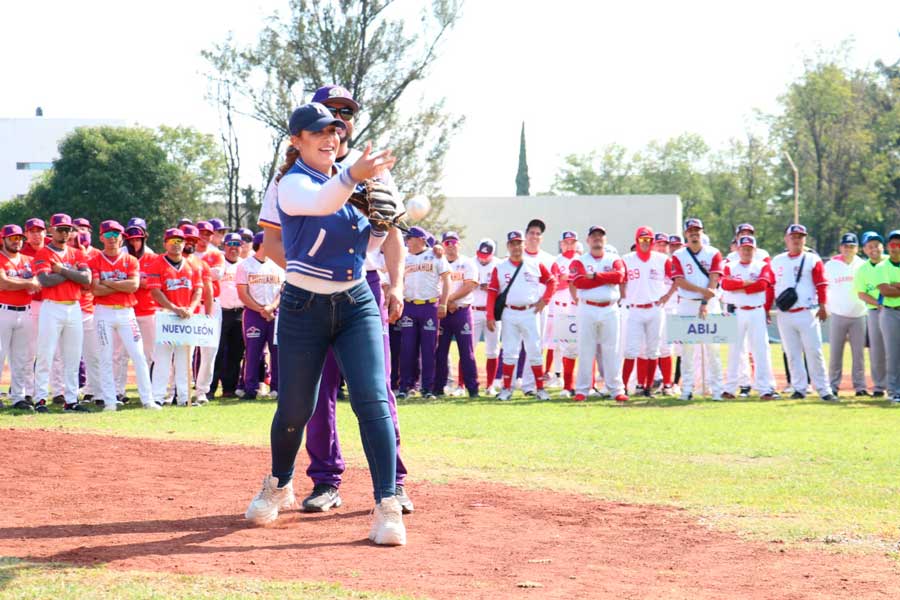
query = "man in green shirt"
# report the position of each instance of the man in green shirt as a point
(889, 286)
(866, 285)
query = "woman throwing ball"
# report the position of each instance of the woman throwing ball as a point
(326, 303)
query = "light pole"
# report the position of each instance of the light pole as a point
(796, 187)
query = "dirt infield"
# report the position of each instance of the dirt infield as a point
(177, 507)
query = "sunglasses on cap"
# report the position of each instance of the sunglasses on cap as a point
(111, 234)
(344, 112)
(233, 244)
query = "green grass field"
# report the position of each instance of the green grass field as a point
(797, 471)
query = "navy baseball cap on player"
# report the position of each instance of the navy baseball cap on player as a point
(450, 236)
(868, 236)
(693, 222)
(11, 230)
(218, 224)
(111, 225)
(430, 240)
(335, 93)
(568, 235)
(232, 238)
(312, 117)
(184, 221)
(60, 220)
(34, 223)
(894, 235)
(795, 228)
(515, 235)
(417, 232)
(486, 248)
(747, 240)
(661, 237)
(744, 227)
(173, 233)
(136, 222)
(849, 239)
(676, 240)
(595, 228)
(134, 232)
(190, 232)
(258, 238)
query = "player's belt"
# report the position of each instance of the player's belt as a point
(62, 301)
(651, 305)
(600, 304)
(114, 306)
(683, 299)
(750, 307)
(14, 308)
(796, 310)
(561, 303)
(429, 301)
(236, 309)
(514, 307)
(480, 307)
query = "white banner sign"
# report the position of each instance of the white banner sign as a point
(715, 329)
(199, 330)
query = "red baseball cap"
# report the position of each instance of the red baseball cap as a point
(10, 230)
(111, 225)
(190, 231)
(60, 219)
(81, 222)
(173, 232)
(643, 232)
(205, 226)
(35, 223)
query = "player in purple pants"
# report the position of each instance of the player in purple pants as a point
(458, 322)
(426, 287)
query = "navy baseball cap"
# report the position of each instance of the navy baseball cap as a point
(218, 224)
(184, 221)
(246, 234)
(894, 234)
(134, 232)
(868, 236)
(335, 93)
(795, 228)
(136, 222)
(849, 239)
(258, 238)
(661, 237)
(232, 237)
(693, 222)
(430, 240)
(676, 239)
(594, 228)
(486, 248)
(515, 235)
(450, 235)
(569, 235)
(747, 240)
(312, 117)
(744, 227)
(417, 232)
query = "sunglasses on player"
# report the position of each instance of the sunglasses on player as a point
(343, 112)
(233, 244)
(111, 235)
(63, 229)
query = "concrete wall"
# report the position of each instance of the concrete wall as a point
(33, 140)
(620, 215)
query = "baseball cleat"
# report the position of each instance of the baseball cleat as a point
(75, 407)
(687, 396)
(264, 507)
(896, 399)
(878, 394)
(491, 391)
(861, 393)
(323, 498)
(729, 396)
(400, 395)
(621, 398)
(767, 396)
(564, 394)
(201, 399)
(667, 390)
(405, 503)
(745, 391)
(23, 405)
(239, 393)
(387, 528)
(580, 398)
(829, 398)
(542, 394)
(59, 399)
(797, 396)
(430, 396)
(505, 394)
(152, 406)
(41, 406)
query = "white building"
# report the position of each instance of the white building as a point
(29, 146)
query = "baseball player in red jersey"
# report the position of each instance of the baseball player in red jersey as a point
(214, 258)
(526, 297)
(696, 270)
(176, 284)
(17, 284)
(80, 239)
(62, 272)
(645, 294)
(145, 305)
(561, 336)
(34, 241)
(116, 276)
(750, 281)
(597, 276)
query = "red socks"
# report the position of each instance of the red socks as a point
(665, 365)
(548, 361)
(641, 371)
(568, 372)
(538, 376)
(651, 372)
(627, 368)
(491, 367)
(508, 375)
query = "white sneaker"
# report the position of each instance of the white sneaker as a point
(595, 393)
(542, 394)
(239, 393)
(459, 392)
(152, 406)
(564, 394)
(273, 394)
(505, 394)
(271, 498)
(387, 527)
(491, 391)
(201, 399)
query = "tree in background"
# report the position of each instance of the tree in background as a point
(357, 44)
(523, 182)
(122, 172)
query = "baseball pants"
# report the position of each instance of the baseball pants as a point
(231, 351)
(890, 331)
(120, 366)
(876, 350)
(258, 334)
(456, 325)
(521, 327)
(709, 353)
(491, 343)
(752, 332)
(60, 325)
(90, 356)
(17, 343)
(394, 334)
(528, 384)
(840, 329)
(801, 334)
(56, 370)
(418, 327)
(598, 327)
(643, 330)
(162, 366)
(208, 356)
(120, 323)
(326, 464)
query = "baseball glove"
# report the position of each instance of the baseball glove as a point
(376, 200)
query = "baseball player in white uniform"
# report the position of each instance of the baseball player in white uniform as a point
(561, 335)
(847, 315)
(17, 332)
(529, 285)
(597, 276)
(696, 270)
(534, 237)
(485, 262)
(799, 325)
(749, 281)
(646, 293)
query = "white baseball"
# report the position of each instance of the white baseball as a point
(417, 207)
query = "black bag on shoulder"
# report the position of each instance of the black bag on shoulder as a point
(788, 298)
(500, 302)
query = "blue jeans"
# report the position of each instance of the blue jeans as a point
(350, 324)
